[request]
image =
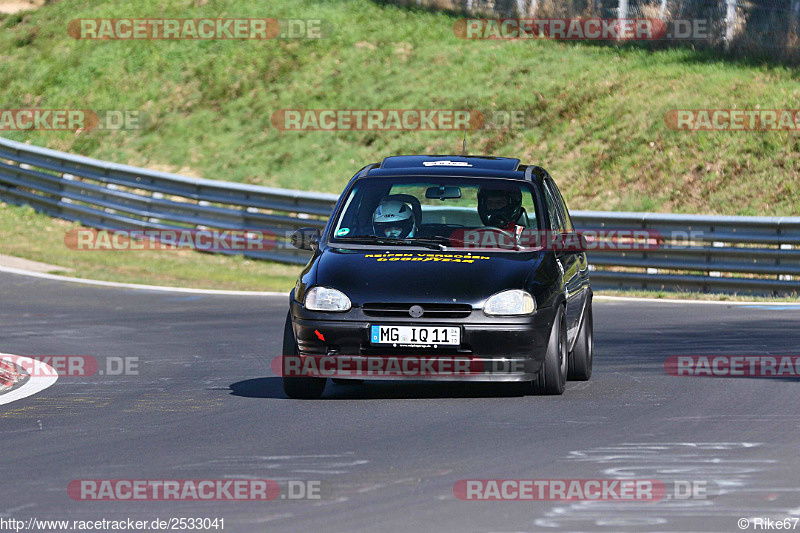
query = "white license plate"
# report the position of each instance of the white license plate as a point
(415, 335)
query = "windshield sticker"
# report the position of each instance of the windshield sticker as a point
(422, 257)
(342, 232)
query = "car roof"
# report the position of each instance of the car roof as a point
(487, 162)
(451, 165)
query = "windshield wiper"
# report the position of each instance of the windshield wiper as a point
(432, 243)
(437, 240)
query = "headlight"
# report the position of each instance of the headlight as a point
(326, 299)
(506, 303)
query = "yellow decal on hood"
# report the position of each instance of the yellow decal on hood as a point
(423, 258)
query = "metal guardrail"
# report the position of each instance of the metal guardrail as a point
(106, 195)
(759, 255)
(705, 253)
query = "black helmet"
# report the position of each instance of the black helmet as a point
(504, 215)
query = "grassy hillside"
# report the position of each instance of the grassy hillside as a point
(596, 112)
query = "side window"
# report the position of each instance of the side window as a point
(562, 207)
(552, 209)
(528, 219)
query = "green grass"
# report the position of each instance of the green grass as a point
(25, 233)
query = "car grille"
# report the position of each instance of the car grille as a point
(430, 310)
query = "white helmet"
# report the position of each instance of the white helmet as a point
(393, 219)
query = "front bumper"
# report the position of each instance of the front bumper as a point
(497, 348)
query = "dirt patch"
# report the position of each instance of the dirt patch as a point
(14, 6)
(33, 266)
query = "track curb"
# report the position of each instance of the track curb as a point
(26, 384)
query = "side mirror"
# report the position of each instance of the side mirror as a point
(583, 242)
(306, 239)
(570, 242)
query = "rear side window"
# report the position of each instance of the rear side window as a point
(528, 218)
(566, 220)
(556, 222)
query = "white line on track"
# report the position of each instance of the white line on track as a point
(114, 284)
(687, 301)
(34, 384)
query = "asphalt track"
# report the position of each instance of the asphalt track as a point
(205, 405)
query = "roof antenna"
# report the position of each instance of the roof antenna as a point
(464, 148)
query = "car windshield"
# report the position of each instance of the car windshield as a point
(437, 212)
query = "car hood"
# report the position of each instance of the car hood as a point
(402, 275)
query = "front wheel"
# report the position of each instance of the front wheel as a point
(552, 377)
(297, 387)
(580, 360)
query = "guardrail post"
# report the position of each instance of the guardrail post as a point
(730, 22)
(783, 246)
(622, 10)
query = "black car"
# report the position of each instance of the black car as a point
(429, 258)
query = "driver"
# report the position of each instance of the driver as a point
(500, 206)
(393, 219)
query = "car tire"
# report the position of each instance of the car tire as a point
(552, 377)
(299, 388)
(580, 359)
